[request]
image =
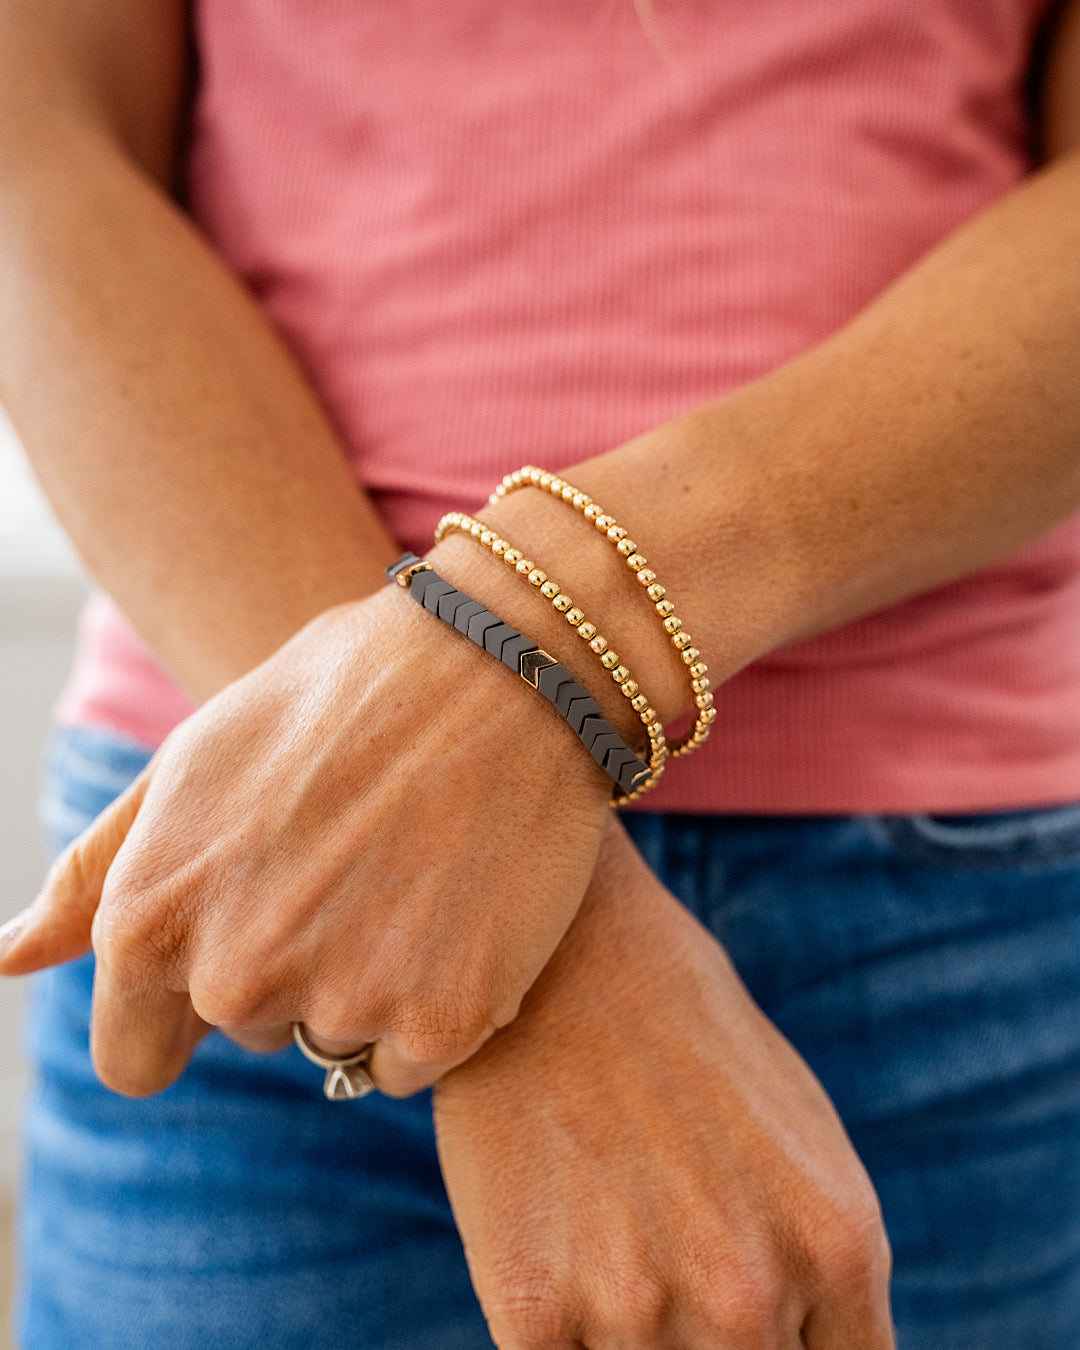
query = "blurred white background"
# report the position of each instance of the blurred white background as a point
(40, 592)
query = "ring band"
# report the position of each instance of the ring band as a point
(346, 1075)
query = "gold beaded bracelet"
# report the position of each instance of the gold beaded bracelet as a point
(658, 747)
(530, 476)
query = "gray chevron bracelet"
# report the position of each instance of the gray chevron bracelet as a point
(527, 659)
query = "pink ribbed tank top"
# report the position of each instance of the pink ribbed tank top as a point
(499, 231)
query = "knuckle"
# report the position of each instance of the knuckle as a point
(852, 1252)
(442, 1030)
(127, 939)
(634, 1306)
(532, 1314)
(742, 1306)
(137, 921)
(229, 999)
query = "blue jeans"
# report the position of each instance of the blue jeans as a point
(928, 968)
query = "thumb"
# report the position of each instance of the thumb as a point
(56, 927)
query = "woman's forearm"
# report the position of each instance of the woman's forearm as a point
(935, 433)
(177, 439)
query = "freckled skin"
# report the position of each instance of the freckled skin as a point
(940, 427)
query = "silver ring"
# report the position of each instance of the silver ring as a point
(346, 1076)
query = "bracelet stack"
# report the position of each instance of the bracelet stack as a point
(529, 476)
(561, 602)
(632, 773)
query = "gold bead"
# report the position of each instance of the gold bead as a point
(516, 477)
(549, 590)
(599, 644)
(698, 669)
(628, 688)
(626, 547)
(636, 561)
(646, 576)
(556, 486)
(488, 537)
(536, 577)
(525, 567)
(672, 623)
(581, 501)
(639, 703)
(592, 511)
(656, 592)
(699, 686)
(708, 715)
(534, 475)
(574, 617)
(562, 603)
(704, 700)
(476, 529)
(616, 533)
(568, 493)
(499, 547)
(648, 716)
(545, 481)
(604, 523)
(586, 631)
(619, 674)
(681, 640)
(609, 660)
(664, 608)
(690, 654)
(512, 557)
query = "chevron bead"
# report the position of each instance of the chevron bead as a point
(495, 637)
(465, 614)
(513, 649)
(434, 593)
(480, 625)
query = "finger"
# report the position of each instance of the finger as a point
(261, 1040)
(141, 1034)
(398, 1075)
(862, 1323)
(56, 927)
(509, 1341)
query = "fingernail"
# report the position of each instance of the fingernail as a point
(9, 934)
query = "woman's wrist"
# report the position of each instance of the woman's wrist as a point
(473, 569)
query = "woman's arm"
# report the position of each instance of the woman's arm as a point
(179, 442)
(203, 485)
(642, 1160)
(1059, 103)
(935, 433)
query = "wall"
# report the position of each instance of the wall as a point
(35, 648)
(40, 591)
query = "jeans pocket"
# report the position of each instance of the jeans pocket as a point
(1029, 837)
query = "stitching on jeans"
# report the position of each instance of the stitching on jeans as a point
(1043, 837)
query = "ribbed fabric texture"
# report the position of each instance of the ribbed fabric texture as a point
(499, 231)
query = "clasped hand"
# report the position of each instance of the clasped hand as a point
(374, 832)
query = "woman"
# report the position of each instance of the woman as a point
(421, 246)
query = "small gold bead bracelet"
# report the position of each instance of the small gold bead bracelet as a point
(529, 476)
(457, 521)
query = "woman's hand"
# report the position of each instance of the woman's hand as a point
(380, 832)
(642, 1161)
